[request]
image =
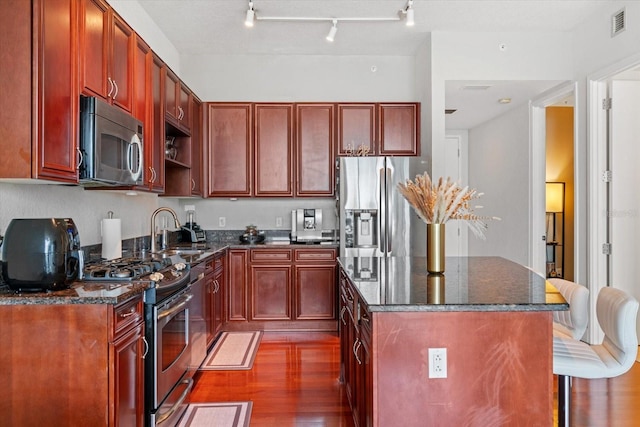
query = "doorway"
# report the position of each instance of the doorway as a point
(614, 211)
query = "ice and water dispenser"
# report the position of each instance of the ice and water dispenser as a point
(361, 229)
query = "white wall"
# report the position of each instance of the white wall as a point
(290, 78)
(499, 167)
(86, 207)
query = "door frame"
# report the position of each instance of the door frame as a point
(597, 208)
(461, 138)
(537, 172)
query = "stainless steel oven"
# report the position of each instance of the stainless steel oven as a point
(168, 332)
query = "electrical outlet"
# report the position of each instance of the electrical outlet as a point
(437, 363)
(188, 208)
(222, 221)
(278, 221)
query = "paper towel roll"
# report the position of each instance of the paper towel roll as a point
(111, 238)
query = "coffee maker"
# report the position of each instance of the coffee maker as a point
(306, 225)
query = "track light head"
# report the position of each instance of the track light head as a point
(251, 15)
(408, 11)
(332, 32)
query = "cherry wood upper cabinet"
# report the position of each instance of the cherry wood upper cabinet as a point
(177, 99)
(106, 49)
(230, 138)
(315, 174)
(196, 147)
(38, 87)
(357, 129)
(154, 143)
(273, 130)
(399, 127)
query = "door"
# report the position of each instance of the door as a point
(455, 230)
(624, 204)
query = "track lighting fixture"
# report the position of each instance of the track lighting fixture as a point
(332, 32)
(408, 11)
(251, 14)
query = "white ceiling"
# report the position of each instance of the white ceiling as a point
(217, 27)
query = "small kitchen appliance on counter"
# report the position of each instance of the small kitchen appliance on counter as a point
(251, 235)
(191, 232)
(41, 254)
(306, 225)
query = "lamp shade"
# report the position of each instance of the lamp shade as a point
(555, 196)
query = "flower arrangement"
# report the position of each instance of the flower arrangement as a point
(438, 203)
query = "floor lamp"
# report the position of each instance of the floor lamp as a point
(555, 207)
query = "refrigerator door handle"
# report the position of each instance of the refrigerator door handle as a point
(382, 202)
(387, 231)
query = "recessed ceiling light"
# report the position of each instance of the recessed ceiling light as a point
(504, 101)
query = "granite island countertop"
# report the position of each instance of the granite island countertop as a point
(468, 284)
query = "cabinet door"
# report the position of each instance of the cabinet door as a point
(209, 311)
(237, 289)
(357, 129)
(128, 377)
(154, 142)
(399, 129)
(57, 103)
(120, 67)
(315, 169)
(196, 148)
(142, 105)
(270, 292)
(94, 47)
(230, 158)
(218, 299)
(172, 86)
(315, 292)
(185, 107)
(273, 132)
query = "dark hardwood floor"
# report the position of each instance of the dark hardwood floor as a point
(294, 382)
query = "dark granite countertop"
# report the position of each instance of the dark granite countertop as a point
(468, 284)
(78, 293)
(284, 245)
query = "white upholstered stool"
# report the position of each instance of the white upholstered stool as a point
(616, 312)
(572, 323)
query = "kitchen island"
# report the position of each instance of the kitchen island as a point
(493, 317)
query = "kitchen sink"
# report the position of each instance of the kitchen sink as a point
(182, 252)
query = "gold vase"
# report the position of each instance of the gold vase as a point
(435, 248)
(435, 289)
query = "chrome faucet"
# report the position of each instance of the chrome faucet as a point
(153, 226)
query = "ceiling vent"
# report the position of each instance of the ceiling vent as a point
(476, 87)
(450, 111)
(617, 22)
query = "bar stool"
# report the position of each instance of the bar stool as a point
(572, 323)
(616, 312)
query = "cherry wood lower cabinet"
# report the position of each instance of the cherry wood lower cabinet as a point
(214, 285)
(282, 289)
(72, 365)
(499, 365)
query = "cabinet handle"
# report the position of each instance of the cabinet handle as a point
(344, 308)
(146, 347)
(181, 113)
(80, 157)
(217, 285)
(153, 174)
(356, 346)
(110, 87)
(131, 312)
(162, 418)
(193, 184)
(365, 316)
(116, 92)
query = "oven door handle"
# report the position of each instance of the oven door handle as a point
(174, 308)
(162, 418)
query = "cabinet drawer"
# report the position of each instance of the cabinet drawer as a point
(311, 255)
(217, 262)
(127, 314)
(270, 255)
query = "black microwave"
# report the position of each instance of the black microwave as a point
(111, 146)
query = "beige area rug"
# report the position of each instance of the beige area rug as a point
(226, 414)
(233, 351)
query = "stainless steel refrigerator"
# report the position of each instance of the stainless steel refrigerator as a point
(374, 217)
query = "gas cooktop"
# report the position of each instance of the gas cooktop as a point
(123, 269)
